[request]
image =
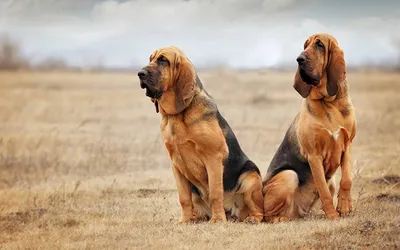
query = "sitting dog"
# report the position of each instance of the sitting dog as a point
(213, 175)
(317, 142)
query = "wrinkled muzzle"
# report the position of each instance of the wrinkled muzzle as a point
(305, 69)
(150, 81)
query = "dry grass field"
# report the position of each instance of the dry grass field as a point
(82, 164)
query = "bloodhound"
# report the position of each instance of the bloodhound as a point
(317, 142)
(213, 175)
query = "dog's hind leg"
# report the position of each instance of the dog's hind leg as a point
(201, 211)
(251, 188)
(279, 196)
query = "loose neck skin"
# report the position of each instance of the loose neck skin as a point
(163, 112)
(340, 102)
(319, 93)
(169, 100)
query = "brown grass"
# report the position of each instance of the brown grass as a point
(82, 164)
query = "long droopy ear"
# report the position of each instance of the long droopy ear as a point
(301, 87)
(336, 69)
(184, 85)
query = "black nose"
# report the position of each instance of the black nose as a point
(301, 59)
(142, 73)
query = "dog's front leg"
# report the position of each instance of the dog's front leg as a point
(185, 196)
(318, 174)
(215, 171)
(344, 205)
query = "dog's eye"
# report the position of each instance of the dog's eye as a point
(320, 45)
(163, 60)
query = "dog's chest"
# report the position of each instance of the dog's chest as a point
(181, 148)
(326, 136)
(335, 140)
(334, 144)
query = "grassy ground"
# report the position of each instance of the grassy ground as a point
(82, 164)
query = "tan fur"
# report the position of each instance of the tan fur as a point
(325, 128)
(192, 150)
(197, 147)
(244, 204)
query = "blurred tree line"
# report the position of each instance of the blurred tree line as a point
(398, 54)
(12, 58)
(10, 55)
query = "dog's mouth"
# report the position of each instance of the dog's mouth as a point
(151, 91)
(307, 78)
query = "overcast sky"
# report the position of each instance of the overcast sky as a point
(237, 33)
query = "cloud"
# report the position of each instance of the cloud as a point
(236, 33)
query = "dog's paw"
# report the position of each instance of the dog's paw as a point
(185, 220)
(218, 219)
(333, 215)
(344, 206)
(253, 219)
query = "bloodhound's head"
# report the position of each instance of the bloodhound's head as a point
(169, 79)
(320, 65)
